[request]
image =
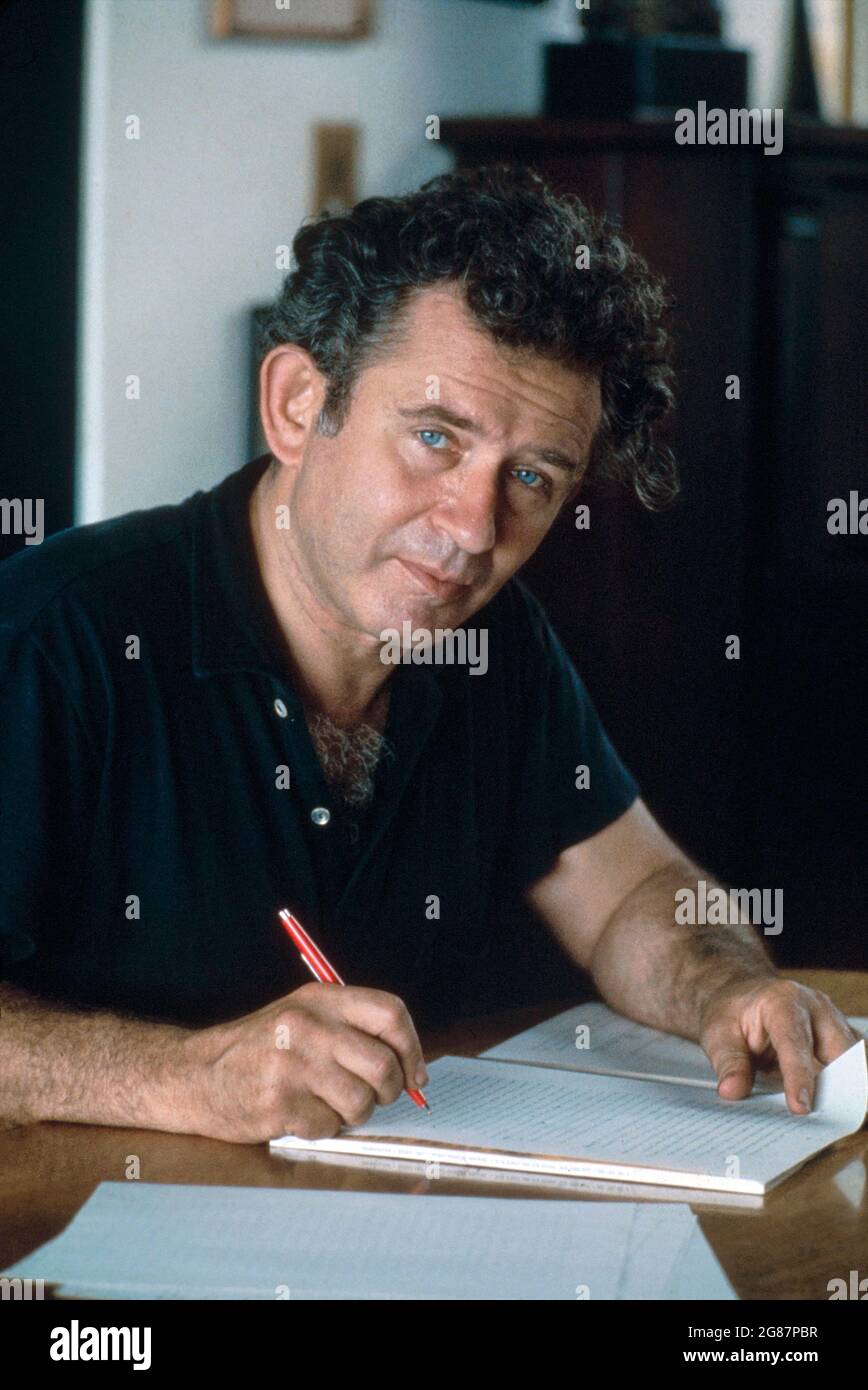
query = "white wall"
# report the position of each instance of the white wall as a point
(761, 27)
(765, 27)
(179, 228)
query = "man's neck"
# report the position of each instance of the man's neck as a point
(334, 675)
(349, 757)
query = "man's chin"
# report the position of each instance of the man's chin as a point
(424, 615)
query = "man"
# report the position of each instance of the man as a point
(198, 727)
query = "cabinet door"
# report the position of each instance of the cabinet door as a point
(807, 658)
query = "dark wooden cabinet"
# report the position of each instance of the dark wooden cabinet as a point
(755, 766)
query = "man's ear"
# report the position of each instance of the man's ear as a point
(292, 390)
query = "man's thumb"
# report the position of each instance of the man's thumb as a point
(725, 1047)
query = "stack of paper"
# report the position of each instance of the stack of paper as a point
(489, 1112)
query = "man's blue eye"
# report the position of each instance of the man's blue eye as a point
(437, 433)
(529, 473)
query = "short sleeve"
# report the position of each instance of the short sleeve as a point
(49, 779)
(570, 781)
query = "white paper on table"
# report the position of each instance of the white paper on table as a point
(620, 1047)
(140, 1240)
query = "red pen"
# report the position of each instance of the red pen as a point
(327, 975)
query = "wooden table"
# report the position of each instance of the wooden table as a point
(811, 1228)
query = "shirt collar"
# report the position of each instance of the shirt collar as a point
(234, 628)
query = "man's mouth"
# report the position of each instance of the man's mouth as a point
(433, 581)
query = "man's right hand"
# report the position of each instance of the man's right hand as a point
(307, 1064)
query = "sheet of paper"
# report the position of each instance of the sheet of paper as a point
(137, 1239)
(670, 1259)
(620, 1047)
(481, 1104)
(592, 1037)
(698, 1273)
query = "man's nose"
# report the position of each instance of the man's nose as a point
(468, 514)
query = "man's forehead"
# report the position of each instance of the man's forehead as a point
(444, 351)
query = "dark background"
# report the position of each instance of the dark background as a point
(40, 77)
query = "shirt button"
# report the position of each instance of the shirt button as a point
(320, 815)
(280, 709)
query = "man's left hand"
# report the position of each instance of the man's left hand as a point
(772, 1023)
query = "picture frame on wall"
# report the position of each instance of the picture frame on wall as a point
(289, 20)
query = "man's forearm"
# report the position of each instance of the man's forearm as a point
(61, 1064)
(662, 973)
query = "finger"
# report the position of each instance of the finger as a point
(832, 1033)
(373, 1061)
(385, 1016)
(726, 1048)
(311, 1118)
(791, 1035)
(351, 1098)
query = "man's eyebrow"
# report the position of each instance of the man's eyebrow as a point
(444, 416)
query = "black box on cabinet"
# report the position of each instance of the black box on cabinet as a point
(615, 77)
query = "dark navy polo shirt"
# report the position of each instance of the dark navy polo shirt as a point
(148, 725)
